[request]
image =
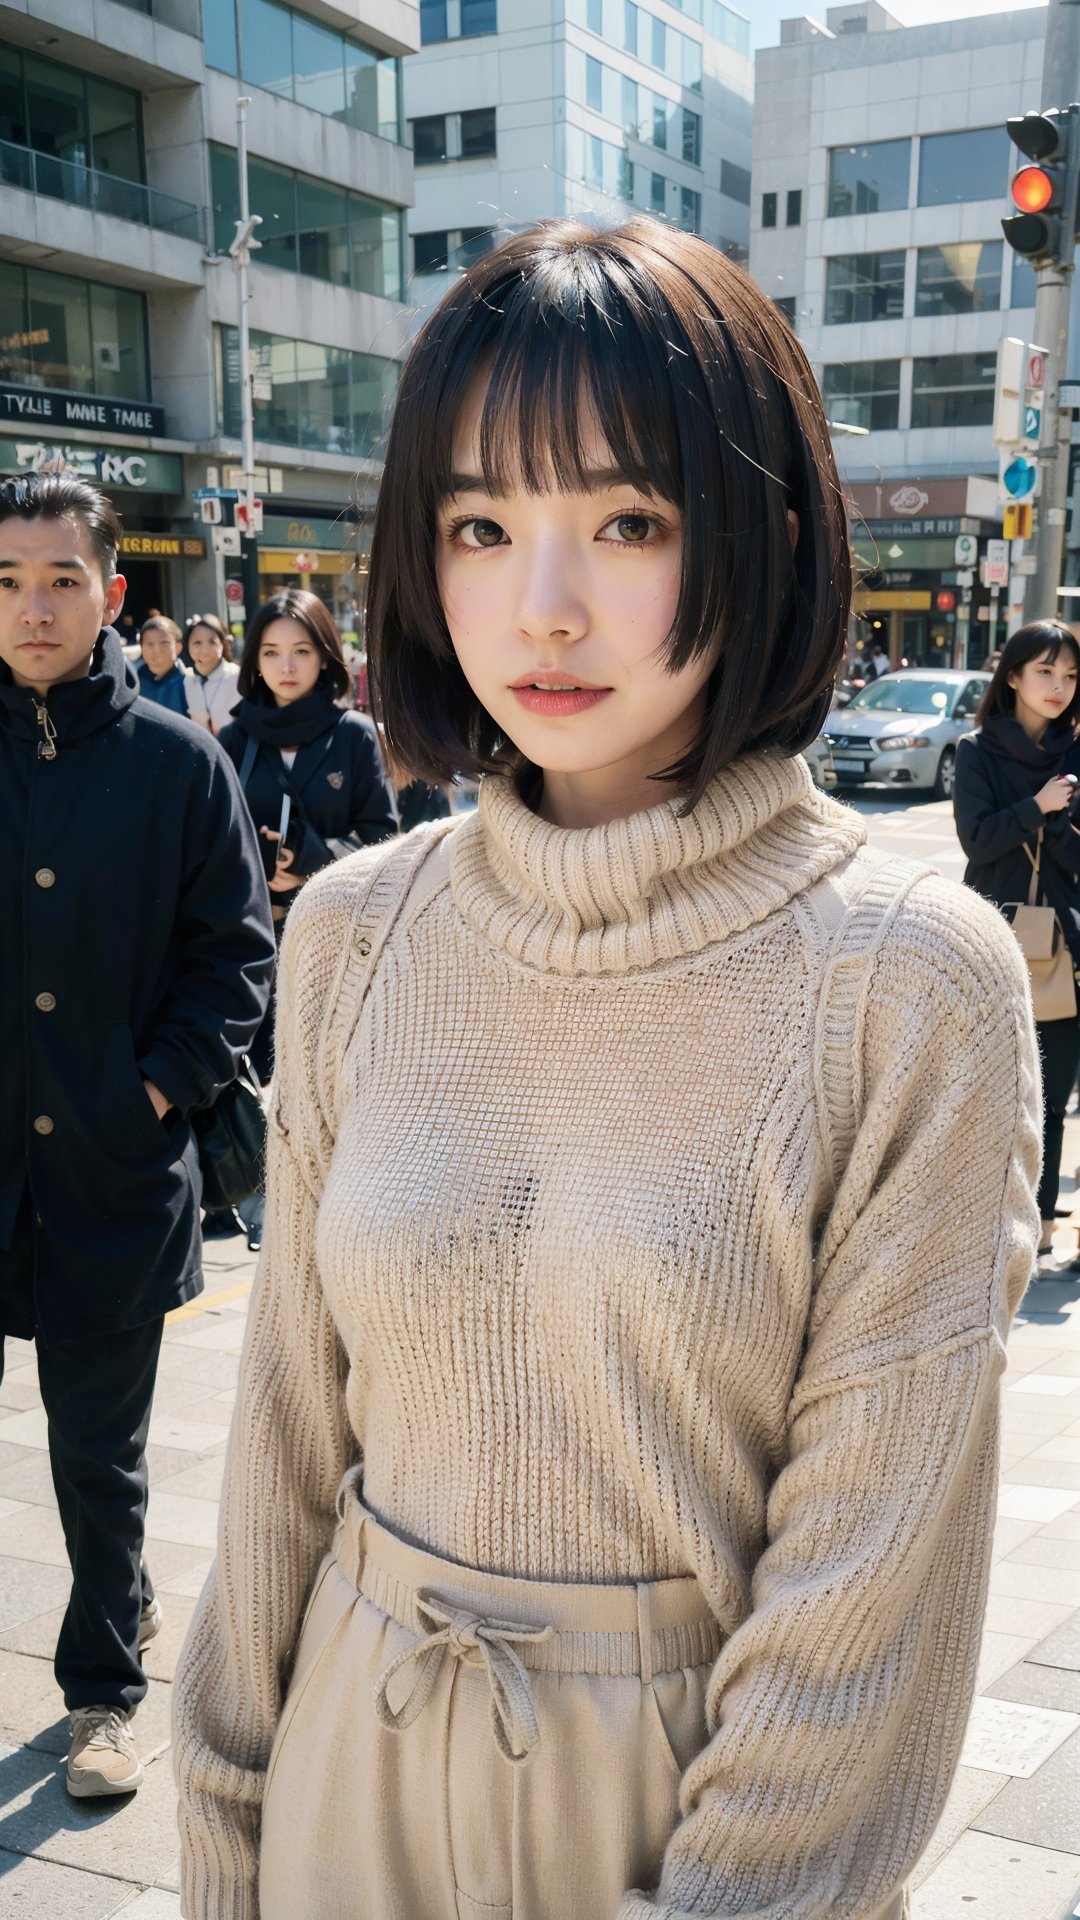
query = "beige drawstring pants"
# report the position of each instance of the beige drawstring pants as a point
(458, 1745)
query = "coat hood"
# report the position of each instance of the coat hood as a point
(76, 707)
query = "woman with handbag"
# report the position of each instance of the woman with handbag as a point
(1015, 780)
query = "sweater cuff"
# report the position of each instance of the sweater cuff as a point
(205, 1893)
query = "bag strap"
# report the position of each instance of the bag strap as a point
(1035, 858)
(251, 748)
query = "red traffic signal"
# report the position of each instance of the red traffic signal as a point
(1044, 227)
(1032, 190)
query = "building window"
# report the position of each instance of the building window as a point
(75, 336)
(600, 164)
(768, 201)
(594, 17)
(433, 21)
(430, 252)
(659, 123)
(690, 209)
(429, 139)
(794, 207)
(594, 84)
(478, 134)
(630, 110)
(961, 277)
(72, 117)
(870, 179)
(658, 193)
(864, 286)
(785, 304)
(311, 227)
(474, 243)
(630, 27)
(478, 16)
(735, 184)
(691, 138)
(321, 397)
(954, 390)
(273, 46)
(690, 63)
(659, 44)
(972, 165)
(865, 394)
(1024, 283)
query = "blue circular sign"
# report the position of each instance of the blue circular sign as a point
(1019, 477)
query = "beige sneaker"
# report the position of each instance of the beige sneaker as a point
(150, 1621)
(102, 1758)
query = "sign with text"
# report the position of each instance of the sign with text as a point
(115, 468)
(41, 407)
(162, 546)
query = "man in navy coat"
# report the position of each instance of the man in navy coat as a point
(136, 953)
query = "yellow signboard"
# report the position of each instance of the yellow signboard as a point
(163, 546)
(898, 601)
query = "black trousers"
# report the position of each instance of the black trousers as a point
(97, 1396)
(1059, 1054)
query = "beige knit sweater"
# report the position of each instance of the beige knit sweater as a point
(630, 1236)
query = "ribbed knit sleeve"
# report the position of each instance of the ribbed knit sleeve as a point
(837, 1709)
(289, 1446)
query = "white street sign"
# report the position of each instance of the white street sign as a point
(1032, 424)
(965, 577)
(1035, 371)
(965, 550)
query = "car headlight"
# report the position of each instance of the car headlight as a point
(903, 742)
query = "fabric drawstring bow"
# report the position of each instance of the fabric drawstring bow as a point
(479, 1643)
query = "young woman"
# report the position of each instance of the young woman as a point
(211, 688)
(289, 736)
(650, 1189)
(1013, 804)
(162, 678)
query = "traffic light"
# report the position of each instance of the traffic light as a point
(1017, 521)
(1045, 190)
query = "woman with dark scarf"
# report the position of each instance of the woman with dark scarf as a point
(288, 737)
(1013, 793)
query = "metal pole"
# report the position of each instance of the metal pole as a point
(1060, 83)
(249, 546)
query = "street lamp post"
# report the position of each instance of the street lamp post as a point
(240, 253)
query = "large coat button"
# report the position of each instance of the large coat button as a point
(43, 1124)
(45, 1002)
(45, 877)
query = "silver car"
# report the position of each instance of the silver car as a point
(902, 730)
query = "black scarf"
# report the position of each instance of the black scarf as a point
(1040, 760)
(293, 726)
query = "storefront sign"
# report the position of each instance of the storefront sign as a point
(163, 546)
(112, 467)
(896, 529)
(906, 501)
(39, 406)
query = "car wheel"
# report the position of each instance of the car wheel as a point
(946, 774)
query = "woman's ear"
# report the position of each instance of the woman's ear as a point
(793, 527)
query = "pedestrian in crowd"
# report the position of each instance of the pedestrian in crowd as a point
(1013, 804)
(289, 737)
(612, 1473)
(162, 676)
(880, 662)
(136, 968)
(416, 800)
(210, 687)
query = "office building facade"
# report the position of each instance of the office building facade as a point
(118, 300)
(889, 144)
(521, 110)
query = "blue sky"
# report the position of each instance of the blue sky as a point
(766, 15)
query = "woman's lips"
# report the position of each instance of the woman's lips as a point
(554, 702)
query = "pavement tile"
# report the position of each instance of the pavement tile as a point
(1009, 1535)
(191, 1584)
(212, 1371)
(20, 1390)
(32, 1711)
(29, 1429)
(175, 1396)
(40, 1890)
(1062, 1361)
(1065, 1527)
(986, 1878)
(1057, 1687)
(189, 1436)
(134, 1838)
(30, 1480)
(9, 1455)
(1043, 1810)
(1046, 1473)
(999, 1652)
(1058, 1585)
(1061, 1648)
(27, 1588)
(209, 1411)
(177, 1517)
(1039, 1550)
(153, 1904)
(1026, 1352)
(162, 1461)
(226, 1334)
(970, 1792)
(1020, 1502)
(1012, 1737)
(1064, 1446)
(1035, 1618)
(203, 1482)
(38, 1636)
(34, 1534)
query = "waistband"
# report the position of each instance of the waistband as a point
(642, 1629)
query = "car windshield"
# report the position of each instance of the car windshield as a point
(896, 694)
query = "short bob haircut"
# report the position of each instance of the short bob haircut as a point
(1039, 640)
(217, 627)
(62, 496)
(704, 397)
(293, 603)
(160, 623)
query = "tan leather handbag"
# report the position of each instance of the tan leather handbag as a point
(1043, 945)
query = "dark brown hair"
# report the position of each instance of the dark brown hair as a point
(1039, 640)
(293, 603)
(704, 397)
(216, 626)
(56, 496)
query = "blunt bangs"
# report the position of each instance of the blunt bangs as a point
(703, 397)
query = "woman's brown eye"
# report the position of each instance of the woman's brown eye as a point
(633, 526)
(487, 533)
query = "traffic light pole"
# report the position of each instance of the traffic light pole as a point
(249, 546)
(1052, 301)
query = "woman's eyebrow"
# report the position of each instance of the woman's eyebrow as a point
(596, 479)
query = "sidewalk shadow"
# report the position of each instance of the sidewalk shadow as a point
(34, 1775)
(1047, 1302)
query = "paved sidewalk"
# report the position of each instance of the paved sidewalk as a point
(1008, 1847)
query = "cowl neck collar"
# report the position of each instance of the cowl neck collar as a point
(653, 886)
(1003, 735)
(292, 726)
(77, 708)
